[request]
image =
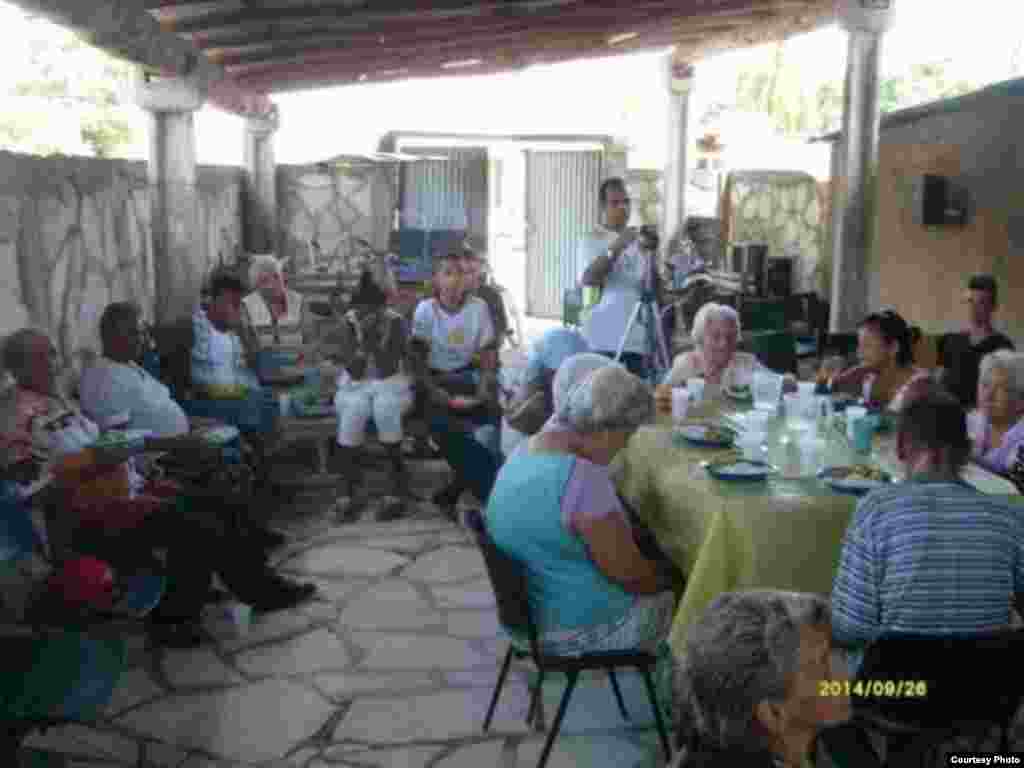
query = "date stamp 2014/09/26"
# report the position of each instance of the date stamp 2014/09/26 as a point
(892, 689)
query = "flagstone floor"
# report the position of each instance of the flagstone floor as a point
(392, 666)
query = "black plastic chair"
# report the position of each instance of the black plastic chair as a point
(974, 682)
(509, 581)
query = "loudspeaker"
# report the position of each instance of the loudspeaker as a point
(778, 278)
(939, 202)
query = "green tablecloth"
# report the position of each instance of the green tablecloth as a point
(785, 533)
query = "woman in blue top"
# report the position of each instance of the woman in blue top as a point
(555, 509)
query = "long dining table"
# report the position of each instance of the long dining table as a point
(784, 533)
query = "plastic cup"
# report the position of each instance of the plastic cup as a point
(696, 389)
(680, 403)
(767, 390)
(240, 615)
(863, 432)
(853, 414)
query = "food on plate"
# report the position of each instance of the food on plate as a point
(227, 391)
(865, 473)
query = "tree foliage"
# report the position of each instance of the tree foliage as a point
(778, 87)
(65, 79)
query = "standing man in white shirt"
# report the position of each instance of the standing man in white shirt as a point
(617, 266)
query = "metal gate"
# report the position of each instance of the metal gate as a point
(561, 207)
(446, 194)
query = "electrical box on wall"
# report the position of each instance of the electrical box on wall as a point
(939, 202)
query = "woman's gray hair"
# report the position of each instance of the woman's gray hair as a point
(609, 398)
(571, 373)
(713, 311)
(1009, 361)
(744, 650)
(15, 356)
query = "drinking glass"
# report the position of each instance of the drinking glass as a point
(767, 389)
(680, 403)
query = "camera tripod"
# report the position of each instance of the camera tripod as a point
(646, 312)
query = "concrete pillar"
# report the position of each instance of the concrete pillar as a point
(261, 184)
(616, 159)
(853, 212)
(680, 80)
(178, 270)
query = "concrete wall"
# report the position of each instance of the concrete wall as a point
(978, 140)
(75, 234)
(333, 203)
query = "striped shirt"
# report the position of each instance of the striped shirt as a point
(930, 556)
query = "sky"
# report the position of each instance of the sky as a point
(624, 96)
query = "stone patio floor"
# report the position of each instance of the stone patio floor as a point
(392, 666)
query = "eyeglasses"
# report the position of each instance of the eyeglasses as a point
(619, 203)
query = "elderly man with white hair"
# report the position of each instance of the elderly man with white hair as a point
(716, 333)
(271, 304)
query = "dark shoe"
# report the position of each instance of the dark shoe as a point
(391, 508)
(348, 509)
(268, 538)
(216, 596)
(185, 634)
(284, 595)
(447, 499)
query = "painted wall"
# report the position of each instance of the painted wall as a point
(332, 204)
(75, 234)
(979, 141)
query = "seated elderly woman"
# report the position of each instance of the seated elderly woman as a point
(121, 511)
(749, 684)
(996, 427)
(716, 333)
(371, 344)
(886, 376)
(555, 509)
(455, 366)
(271, 304)
(533, 405)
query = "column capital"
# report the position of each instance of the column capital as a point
(168, 94)
(680, 73)
(871, 16)
(264, 125)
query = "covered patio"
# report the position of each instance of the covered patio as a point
(395, 664)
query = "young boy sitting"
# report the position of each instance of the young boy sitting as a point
(451, 331)
(371, 344)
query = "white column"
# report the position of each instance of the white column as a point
(171, 103)
(261, 184)
(680, 81)
(853, 211)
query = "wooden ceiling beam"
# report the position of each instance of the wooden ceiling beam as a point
(396, 12)
(364, 45)
(365, 67)
(382, 11)
(273, 44)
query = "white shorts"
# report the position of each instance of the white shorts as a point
(386, 400)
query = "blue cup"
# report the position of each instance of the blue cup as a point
(863, 432)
